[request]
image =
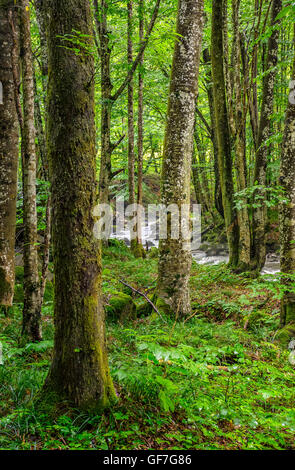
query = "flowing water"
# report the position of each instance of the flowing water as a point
(272, 265)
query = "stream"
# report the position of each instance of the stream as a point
(211, 255)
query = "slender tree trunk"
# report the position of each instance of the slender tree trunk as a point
(223, 133)
(140, 249)
(287, 212)
(79, 372)
(175, 255)
(264, 133)
(31, 329)
(131, 154)
(209, 88)
(101, 16)
(40, 7)
(239, 116)
(8, 156)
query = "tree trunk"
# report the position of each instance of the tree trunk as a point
(31, 328)
(106, 105)
(209, 88)
(175, 255)
(79, 372)
(239, 117)
(287, 211)
(264, 133)
(8, 156)
(40, 7)
(223, 133)
(140, 249)
(131, 155)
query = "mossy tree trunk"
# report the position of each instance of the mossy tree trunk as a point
(287, 211)
(31, 328)
(239, 111)
(223, 131)
(209, 89)
(8, 156)
(79, 372)
(263, 148)
(131, 154)
(174, 254)
(140, 249)
(101, 15)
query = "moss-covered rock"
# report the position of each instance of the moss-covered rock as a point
(256, 319)
(121, 307)
(144, 309)
(285, 335)
(153, 253)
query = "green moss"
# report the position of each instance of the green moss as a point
(285, 335)
(153, 253)
(144, 309)
(121, 307)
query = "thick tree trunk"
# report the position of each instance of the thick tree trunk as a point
(8, 156)
(175, 255)
(264, 133)
(287, 212)
(223, 132)
(79, 373)
(31, 328)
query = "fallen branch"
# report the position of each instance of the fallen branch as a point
(143, 295)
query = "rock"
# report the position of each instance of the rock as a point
(285, 335)
(121, 307)
(153, 253)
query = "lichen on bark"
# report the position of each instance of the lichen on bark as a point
(174, 254)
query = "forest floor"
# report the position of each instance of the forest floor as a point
(217, 380)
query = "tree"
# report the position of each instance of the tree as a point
(223, 131)
(31, 329)
(8, 155)
(287, 212)
(79, 373)
(263, 145)
(174, 255)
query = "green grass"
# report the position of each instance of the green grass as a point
(216, 381)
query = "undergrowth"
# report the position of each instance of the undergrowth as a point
(217, 380)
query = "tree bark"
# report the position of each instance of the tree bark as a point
(8, 156)
(79, 373)
(140, 132)
(287, 211)
(31, 328)
(223, 132)
(264, 133)
(239, 116)
(174, 254)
